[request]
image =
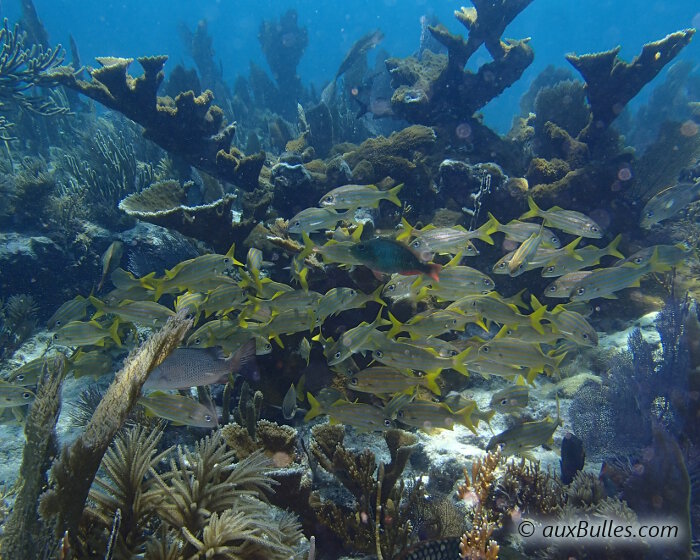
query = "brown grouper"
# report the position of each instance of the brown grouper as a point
(389, 256)
(192, 367)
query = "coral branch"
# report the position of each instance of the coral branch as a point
(476, 543)
(434, 89)
(189, 126)
(611, 82)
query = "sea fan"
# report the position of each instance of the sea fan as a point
(643, 387)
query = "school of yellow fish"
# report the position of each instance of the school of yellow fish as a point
(240, 312)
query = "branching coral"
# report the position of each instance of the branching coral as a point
(611, 83)
(188, 126)
(283, 43)
(109, 173)
(200, 482)
(525, 486)
(203, 506)
(436, 88)
(378, 520)
(476, 543)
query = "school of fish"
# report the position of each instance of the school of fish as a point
(240, 311)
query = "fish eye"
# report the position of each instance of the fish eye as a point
(379, 353)
(638, 260)
(58, 323)
(353, 292)
(297, 223)
(227, 260)
(26, 395)
(337, 355)
(552, 288)
(551, 268)
(329, 198)
(650, 214)
(349, 372)
(554, 240)
(594, 228)
(207, 418)
(20, 377)
(387, 423)
(521, 266)
(585, 336)
(353, 381)
(453, 353)
(391, 287)
(504, 402)
(581, 291)
(502, 265)
(485, 349)
(198, 341)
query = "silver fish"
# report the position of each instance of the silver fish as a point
(193, 367)
(669, 202)
(179, 409)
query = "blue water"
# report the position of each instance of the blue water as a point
(557, 27)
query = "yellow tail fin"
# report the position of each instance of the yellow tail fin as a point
(392, 195)
(534, 211)
(431, 382)
(315, 409)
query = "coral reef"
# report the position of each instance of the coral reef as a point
(199, 44)
(188, 126)
(663, 161)
(437, 88)
(74, 471)
(109, 173)
(279, 443)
